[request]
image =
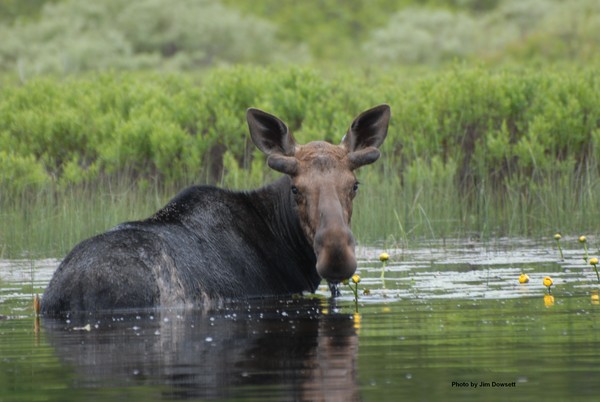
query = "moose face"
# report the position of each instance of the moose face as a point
(323, 183)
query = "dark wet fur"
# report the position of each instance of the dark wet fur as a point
(206, 244)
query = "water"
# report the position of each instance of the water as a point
(448, 322)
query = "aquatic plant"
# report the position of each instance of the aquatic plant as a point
(354, 280)
(557, 237)
(594, 262)
(523, 278)
(583, 240)
(383, 257)
(548, 282)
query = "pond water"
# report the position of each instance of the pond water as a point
(449, 321)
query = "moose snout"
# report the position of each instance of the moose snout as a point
(336, 259)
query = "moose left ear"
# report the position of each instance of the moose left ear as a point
(369, 129)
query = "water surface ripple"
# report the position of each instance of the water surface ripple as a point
(448, 321)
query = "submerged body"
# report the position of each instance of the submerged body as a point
(206, 244)
(209, 244)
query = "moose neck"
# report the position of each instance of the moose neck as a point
(276, 205)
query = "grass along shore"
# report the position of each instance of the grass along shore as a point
(428, 205)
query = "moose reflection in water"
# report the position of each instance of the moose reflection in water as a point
(293, 348)
(209, 244)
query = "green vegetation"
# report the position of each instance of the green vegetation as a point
(524, 30)
(469, 152)
(495, 127)
(12, 10)
(66, 37)
(74, 36)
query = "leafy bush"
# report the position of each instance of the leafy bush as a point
(422, 36)
(11, 10)
(513, 29)
(75, 36)
(487, 126)
(468, 149)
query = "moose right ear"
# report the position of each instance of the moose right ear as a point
(270, 134)
(369, 129)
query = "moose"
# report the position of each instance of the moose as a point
(209, 244)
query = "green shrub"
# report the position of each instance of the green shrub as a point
(490, 125)
(490, 147)
(75, 36)
(423, 36)
(522, 30)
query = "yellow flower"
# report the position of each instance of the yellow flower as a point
(383, 257)
(593, 261)
(548, 300)
(548, 281)
(355, 278)
(523, 278)
(557, 236)
(582, 239)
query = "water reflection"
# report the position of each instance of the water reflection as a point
(445, 315)
(595, 298)
(548, 300)
(288, 350)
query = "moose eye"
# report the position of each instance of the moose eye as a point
(294, 190)
(355, 187)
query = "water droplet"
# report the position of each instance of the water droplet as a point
(208, 339)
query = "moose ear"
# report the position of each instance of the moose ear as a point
(270, 134)
(365, 135)
(369, 129)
